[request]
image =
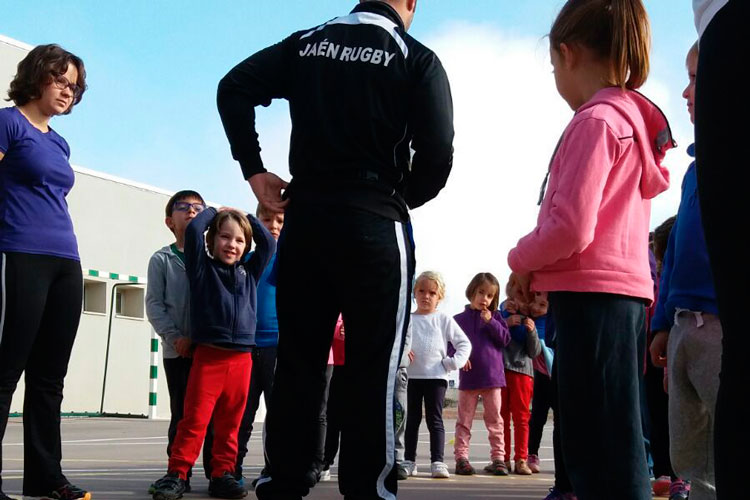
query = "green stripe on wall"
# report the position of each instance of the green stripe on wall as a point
(151, 398)
(153, 371)
(154, 345)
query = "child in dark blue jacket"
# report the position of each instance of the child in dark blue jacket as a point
(222, 306)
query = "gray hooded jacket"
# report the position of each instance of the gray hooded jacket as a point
(168, 299)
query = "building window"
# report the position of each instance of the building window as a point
(129, 302)
(94, 296)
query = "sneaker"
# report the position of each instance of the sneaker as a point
(325, 474)
(679, 490)
(312, 476)
(267, 488)
(522, 468)
(226, 486)
(410, 467)
(170, 487)
(535, 464)
(555, 494)
(254, 482)
(497, 467)
(660, 486)
(152, 487)
(464, 468)
(439, 470)
(401, 472)
(64, 492)
(3, 496)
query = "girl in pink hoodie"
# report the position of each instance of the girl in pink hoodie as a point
(589, 248)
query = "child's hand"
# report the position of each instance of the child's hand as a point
(485, 315)
(182, 345)
(511, 306)
(467, 366)
(514, 320)
(411, 356)
(529, 324)
(341, 331)
(658, 348)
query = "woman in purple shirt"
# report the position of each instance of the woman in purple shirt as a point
(41, 284)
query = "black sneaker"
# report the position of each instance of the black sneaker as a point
(268, 489)
(226, 486)
(64, 492)
(170, 487)
(152, 487)
(3, 496)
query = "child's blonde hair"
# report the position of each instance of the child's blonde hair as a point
(615, 30)
(693, 52)
(434, 276)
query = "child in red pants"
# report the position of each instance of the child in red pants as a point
(222, 308)
(518, 358)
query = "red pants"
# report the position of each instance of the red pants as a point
(516, 405)
(218, 386)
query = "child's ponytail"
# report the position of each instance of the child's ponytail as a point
(631, 43)
(615, 30)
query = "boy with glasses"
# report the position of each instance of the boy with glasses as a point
(168, 309)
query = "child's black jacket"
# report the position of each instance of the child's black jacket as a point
(223, 298)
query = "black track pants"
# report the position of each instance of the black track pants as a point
(40, 306)
(331, 261)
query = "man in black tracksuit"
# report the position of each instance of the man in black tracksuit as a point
(361, 93)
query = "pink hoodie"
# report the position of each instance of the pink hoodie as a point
(592, 229)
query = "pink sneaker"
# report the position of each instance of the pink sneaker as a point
(534, 464)
(661, 486)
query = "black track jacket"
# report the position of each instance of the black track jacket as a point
(361, 92)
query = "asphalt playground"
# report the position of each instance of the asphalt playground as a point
(117, 458)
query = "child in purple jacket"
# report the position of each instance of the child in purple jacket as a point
(483, 375)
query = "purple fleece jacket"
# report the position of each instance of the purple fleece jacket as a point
(487, 342)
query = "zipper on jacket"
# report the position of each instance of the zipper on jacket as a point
(234, 304)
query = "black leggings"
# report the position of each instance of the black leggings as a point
(657, 411)
(718, 139)
(541, 404)
(432, 391)
(40, 301)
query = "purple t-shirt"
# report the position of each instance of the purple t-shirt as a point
(35, 178)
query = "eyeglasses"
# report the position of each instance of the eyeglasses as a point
(63, 83)
(184, 206)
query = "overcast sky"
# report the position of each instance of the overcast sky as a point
(150, 113)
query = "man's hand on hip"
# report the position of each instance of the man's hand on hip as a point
(267, 188)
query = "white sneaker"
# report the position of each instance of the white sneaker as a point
(325, 474)
(439, 470)
(411, 467)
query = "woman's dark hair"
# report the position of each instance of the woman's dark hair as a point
(37, 70)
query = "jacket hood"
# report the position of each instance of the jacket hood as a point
(167, 250)
(650, 128)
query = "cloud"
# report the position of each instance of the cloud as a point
(508, 119)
